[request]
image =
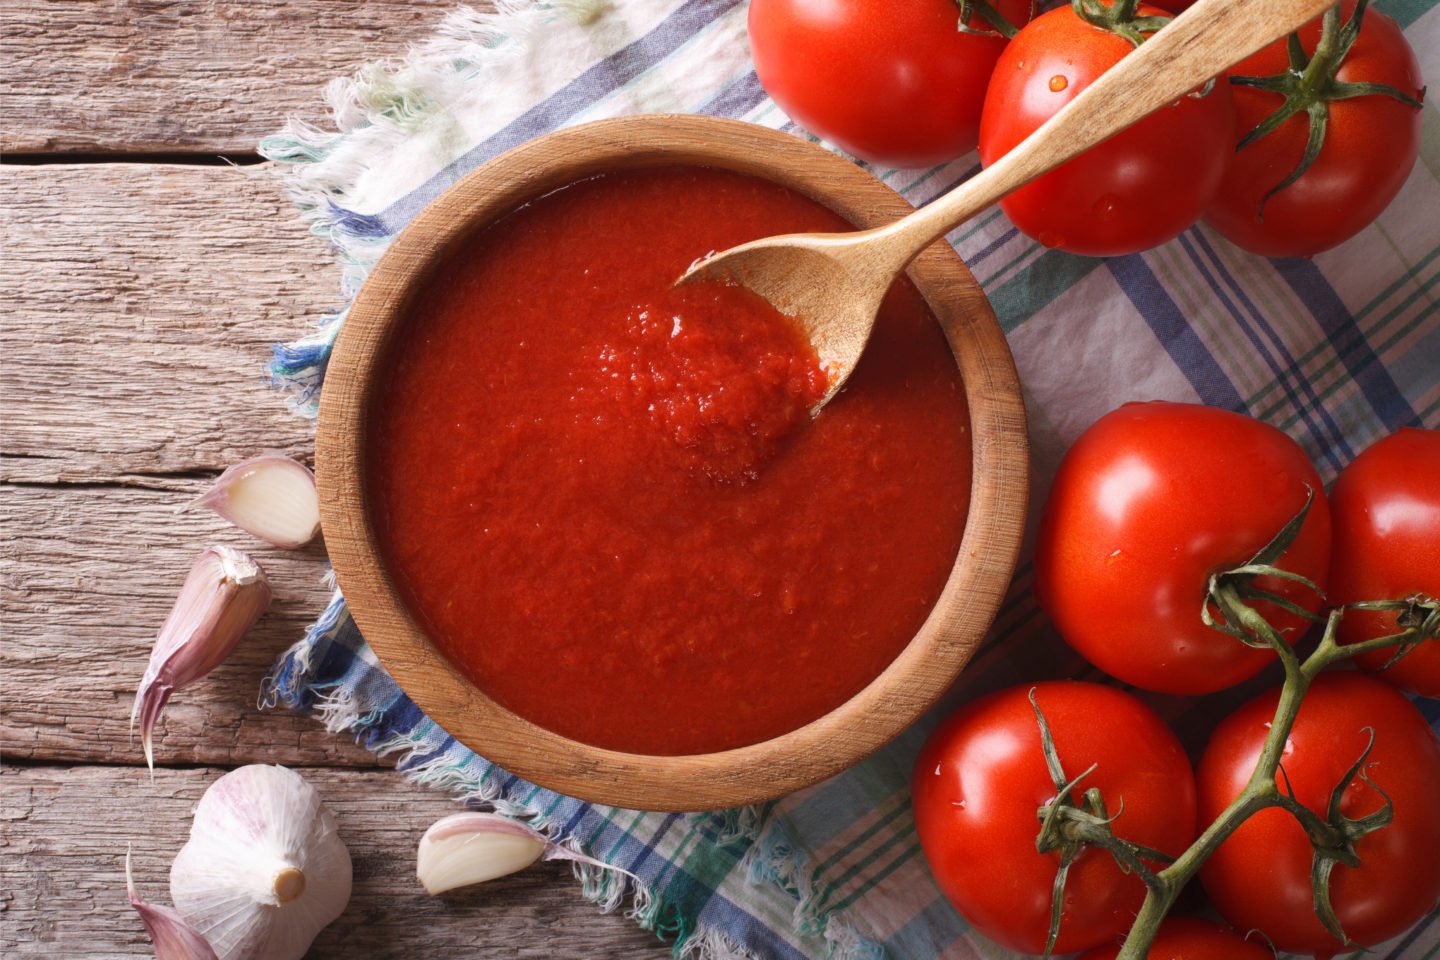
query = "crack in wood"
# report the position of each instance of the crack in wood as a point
(137, 481)
(20, 159)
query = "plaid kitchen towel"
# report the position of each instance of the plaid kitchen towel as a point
(1336, 351)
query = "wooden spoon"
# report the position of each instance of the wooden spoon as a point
(832, 283)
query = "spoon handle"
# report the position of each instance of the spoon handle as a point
(1207, 39)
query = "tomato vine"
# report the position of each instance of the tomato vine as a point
(1067, 826)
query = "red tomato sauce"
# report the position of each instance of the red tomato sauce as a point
(604, 499)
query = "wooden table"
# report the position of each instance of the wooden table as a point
(144, 280)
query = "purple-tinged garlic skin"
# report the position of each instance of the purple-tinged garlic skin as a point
(467, 848)
(173, 938)
(271, 497)
(223, 595)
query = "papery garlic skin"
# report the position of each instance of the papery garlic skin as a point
(223, 595)
(271, 497)
(472, 847)
(173, 938)
(264, 870)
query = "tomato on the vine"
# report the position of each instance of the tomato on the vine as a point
(1260, 878)
(895, 83)
(1136, 190)
(1185, 938)
(1370, 146)
(981, 777)
(1386, 510)
(1149, 502)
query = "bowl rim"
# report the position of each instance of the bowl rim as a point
(929, 663)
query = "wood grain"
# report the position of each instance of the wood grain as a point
(148, 298)
(147, 76)
(872, 717)
(140, 304)
(63, 858)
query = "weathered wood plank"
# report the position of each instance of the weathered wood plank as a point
(89, 574)
(145, 300)
(144, 76)
(66, 831)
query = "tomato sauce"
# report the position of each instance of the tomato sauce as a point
(605, 500)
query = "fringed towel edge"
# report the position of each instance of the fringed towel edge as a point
(772, 857)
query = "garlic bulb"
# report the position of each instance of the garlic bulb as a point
(271, 497)
(224, 594)
(467, 848)
(264, 870)
(174, 939)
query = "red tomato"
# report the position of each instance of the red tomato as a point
(1369, 150)
(1260, 877)
(1386, 510)
(1185, 938)
(894, 83)
(1134, 191)
(1148, 503)
(981, 777)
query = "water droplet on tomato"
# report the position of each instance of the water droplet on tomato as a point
(958, 804)
(1049, 239)
(1058, 83)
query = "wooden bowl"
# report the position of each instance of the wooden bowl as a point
(765, 770)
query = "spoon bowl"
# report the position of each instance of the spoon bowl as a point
(831, 283)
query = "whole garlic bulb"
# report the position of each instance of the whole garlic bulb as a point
(264, 870)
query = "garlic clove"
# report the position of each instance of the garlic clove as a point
(174, 939)
(456, 852)
(467, 848)
(272, 497)
(223, 595)
(264, 870)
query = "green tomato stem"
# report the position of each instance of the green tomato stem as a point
(986, 12)
(1326, 59)
(1309, 85)
(1118, 18)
